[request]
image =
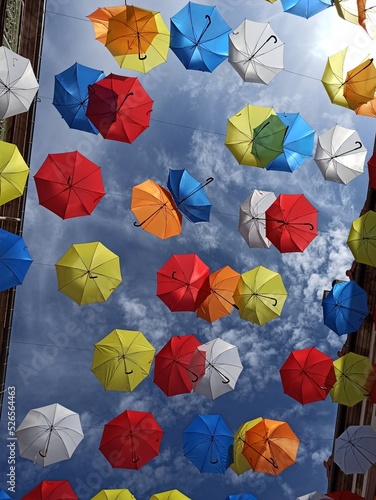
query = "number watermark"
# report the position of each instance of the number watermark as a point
(11, 439)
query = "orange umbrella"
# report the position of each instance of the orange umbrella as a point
(155, 210)
(360, 84)
(368, 109)
(270, 446)
(220, 301)
(100, 19)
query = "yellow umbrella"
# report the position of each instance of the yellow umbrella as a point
(13, 172)
(114, 495)
(169, 495)
(88, 272)
(362, 239)
(100, 18)
(241, 464)
(122, 360)
(260, 295)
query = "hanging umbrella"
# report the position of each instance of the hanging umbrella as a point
(219, 302)
(51, 490)
(189, 196)
(15, 260)
(241, 464)
(215, 368)
(169, 495)
(122, 360)
(355, 449)
(49, 434)
(18, 85)
(183, 282)
(355, 377)
(137, 38)
(69, 184)
(344, 495)
(372, 171)
(345, 307)
(297, 144)
(348, 10)
(291, 223)
(171, 373)
(243, 496)
(362, 239)
(100, 18)
(208, 444)
(131, 439)
(13, 172)
(340, 154)
(270, 446)
(114, 495)
(71, 95)
(307, 375)
(252, 218)
(199, 37)
(119, 107)
(260, 295)
(305, 8)
(155, 210)
(88, 272)
(358, 12)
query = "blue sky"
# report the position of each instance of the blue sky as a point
(52, 338)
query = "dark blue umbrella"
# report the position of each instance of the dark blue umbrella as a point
(305, 8)
(71, 95)
(242, 496)
(345, 307)
(189, 196)
(208, 443)
(15, 260)
(199, 37)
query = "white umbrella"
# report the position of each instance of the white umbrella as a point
(340, 154)
(255, 52)
(49, 434)
(252, 218)
(315, 495)
(355, 449)
(18, 84)
(215, 367)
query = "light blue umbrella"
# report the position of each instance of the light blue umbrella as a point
(4, 496)
(305, 8)
(15, 260)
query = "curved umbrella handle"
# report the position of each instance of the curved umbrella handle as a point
(214, 461)
(142, 58)
(135, 460)
(137, 224)
(128, 373)
(274, 463)
(93, 277)
(42, 454)
(196, 377)
(227, 381)
(359, 145)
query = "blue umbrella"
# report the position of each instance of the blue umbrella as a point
(345, 307)
(305, 8)
(297, 144)
(71, 95)
(242, 496)
(4, 496)
(15, 260)
(208, 444)
(189, 196)
(199, 37)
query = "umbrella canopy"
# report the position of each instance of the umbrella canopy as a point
(252, 218)
(362, 239)
(18, 85)
(15, 260)
(255, 52)
(291, 223)
(169, 495)
(13, 172)
(340, 154)
(260, 295)
(241, 464)
(131, 439)
(243, 496)
(255, 135)
(51, 490)
(348, 10)
(183, 282)
(100, 18)
(199, 37)
(344, 495)
(297, 144)
(219, 302)
(372, 171)
(208, 443)
(215, 368)
(171, 373)
(71, 95)
(355, 449)
(307, 375)
(49, 434)
(114, 495)
(305, 8)
(88, 272)
(270, 446)
(69, 184)
(4, 496)
(355, 377)
(189, 196)
(119, 107)
(345, 307)
(122, 360)
(137, 38)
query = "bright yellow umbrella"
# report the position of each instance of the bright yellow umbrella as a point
(13, 172)
(241, 464)
(260, 295)
(100, 18)
(169, 495)
(88, 272)
(114, 495)
(362, 239)
(122, 360)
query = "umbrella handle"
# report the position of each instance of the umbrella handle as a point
(42, 454)
(214, 461)
(227, 381)
(137, 224)
(128, 373)
(135, 460)
(93, 277)
(273, 462)
(359, 145)
(196, 378)
(142, 58)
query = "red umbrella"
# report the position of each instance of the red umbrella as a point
(291, 223)
(69, 184)
(171, 372)
(119, 107)
(131, 439)
(372, 171)
(51, 490)
(344, 495)
(183, 282)
(307, 375)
